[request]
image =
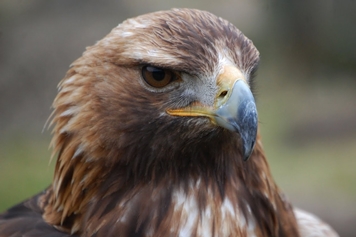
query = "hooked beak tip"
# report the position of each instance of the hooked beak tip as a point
(247, 151)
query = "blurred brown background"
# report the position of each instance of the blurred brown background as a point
(306, 89)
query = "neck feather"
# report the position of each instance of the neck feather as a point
(124, 198)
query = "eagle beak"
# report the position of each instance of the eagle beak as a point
(234, 108)
(239, 114)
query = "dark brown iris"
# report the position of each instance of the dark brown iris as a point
(157, 77)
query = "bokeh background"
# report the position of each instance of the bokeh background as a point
(306, 89)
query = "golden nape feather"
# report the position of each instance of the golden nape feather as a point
(155, 131)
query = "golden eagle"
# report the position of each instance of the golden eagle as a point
(156, 133)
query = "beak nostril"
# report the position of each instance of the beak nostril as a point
(223, 94)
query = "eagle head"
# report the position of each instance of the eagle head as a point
(156, 87)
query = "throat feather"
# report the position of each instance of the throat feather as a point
(235, 202)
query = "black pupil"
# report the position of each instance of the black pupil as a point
(157, 73)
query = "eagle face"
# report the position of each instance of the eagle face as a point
(169, 71)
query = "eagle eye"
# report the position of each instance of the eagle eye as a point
(157, 77)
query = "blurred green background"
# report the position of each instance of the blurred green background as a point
(306, 89)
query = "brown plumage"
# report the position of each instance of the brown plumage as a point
(149, 158)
